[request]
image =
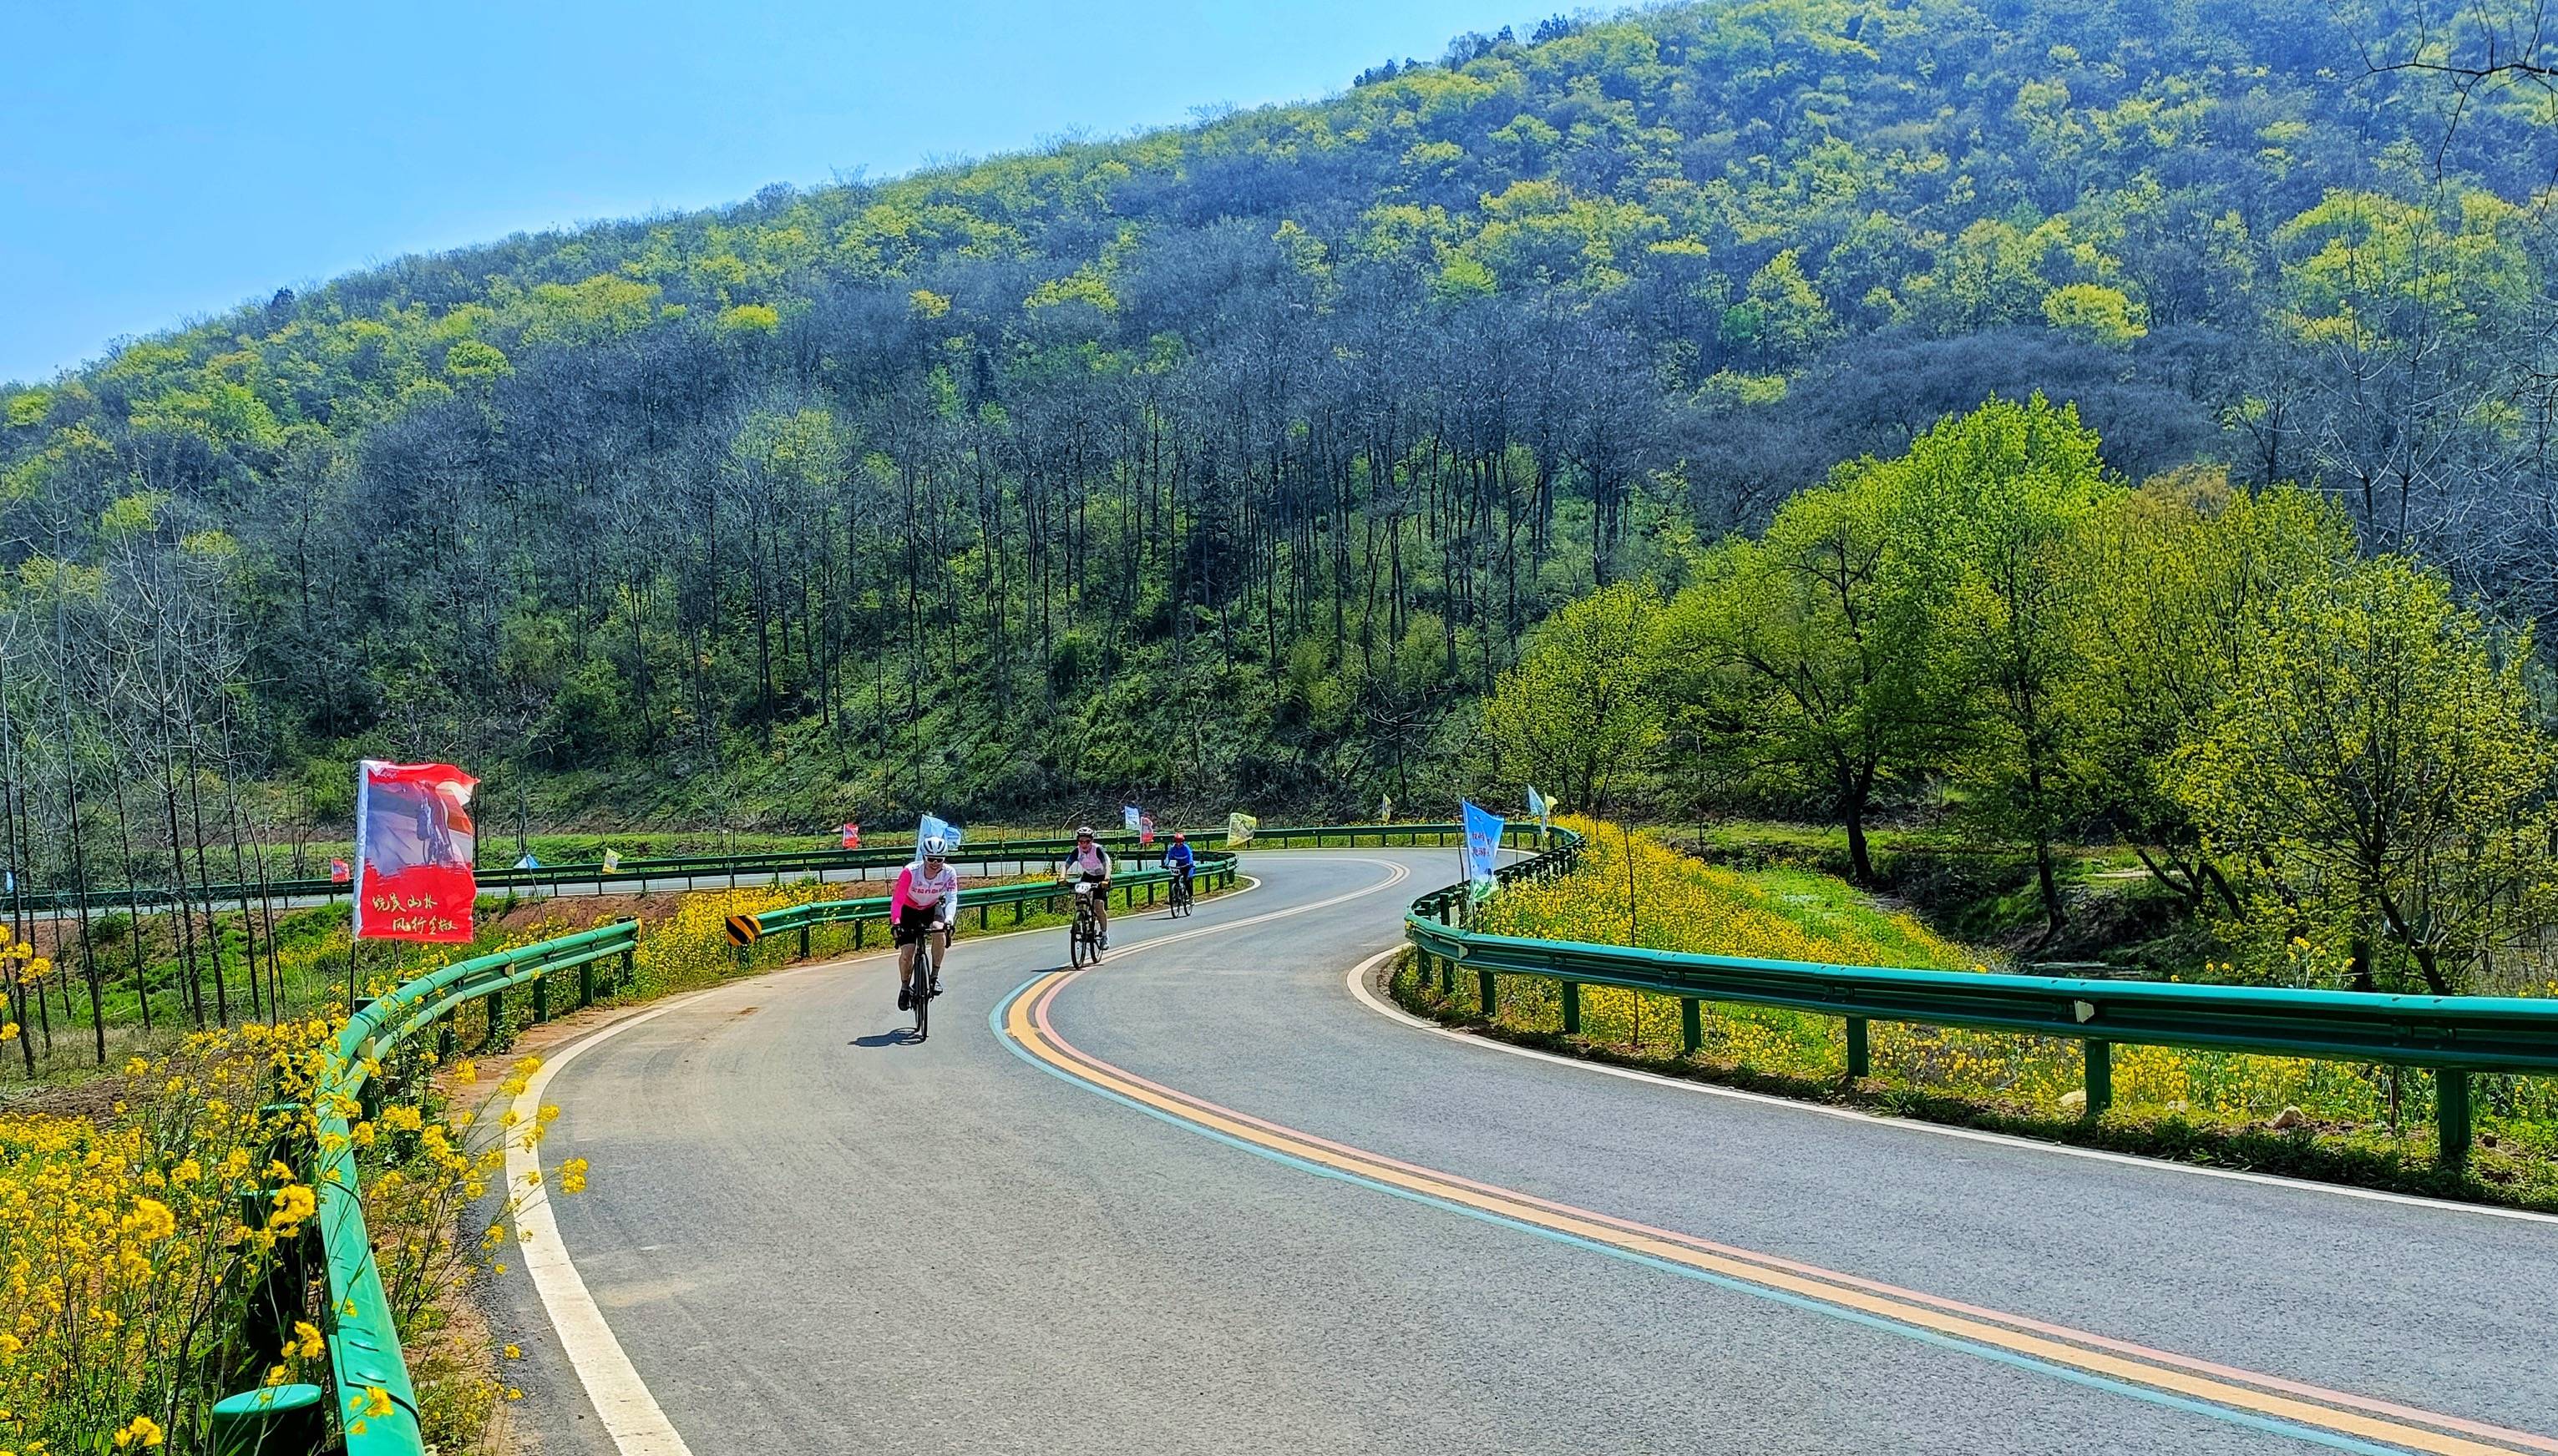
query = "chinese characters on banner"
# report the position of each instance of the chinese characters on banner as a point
(340, 872)
(1482, 848)
(413, 852)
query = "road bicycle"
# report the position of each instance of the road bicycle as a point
(1083, 937)
(924, 990)
(1181, 893)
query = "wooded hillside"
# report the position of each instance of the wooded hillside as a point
(1237, 459)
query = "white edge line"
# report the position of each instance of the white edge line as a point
(622, 1400)
(1358, 988)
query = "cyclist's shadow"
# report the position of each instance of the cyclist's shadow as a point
(902, 1036)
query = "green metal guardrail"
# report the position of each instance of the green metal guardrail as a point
(363, 1345)
(2453, 1036)
(1215, 870)
(642, 873)
(646, 874)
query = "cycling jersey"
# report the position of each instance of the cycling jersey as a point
(1180, 854)
(918, 889)
(1091, 864)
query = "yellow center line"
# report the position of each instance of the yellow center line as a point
(1025, 1021)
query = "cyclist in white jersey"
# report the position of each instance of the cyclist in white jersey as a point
(1089, 863)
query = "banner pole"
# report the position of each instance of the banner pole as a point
(355, 875)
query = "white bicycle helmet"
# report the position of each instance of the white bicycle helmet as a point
(935, 848)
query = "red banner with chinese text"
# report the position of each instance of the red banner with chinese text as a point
(415, 851)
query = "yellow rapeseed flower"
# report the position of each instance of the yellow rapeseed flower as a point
(150, 1222)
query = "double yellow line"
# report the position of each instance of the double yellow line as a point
(2332, 1419)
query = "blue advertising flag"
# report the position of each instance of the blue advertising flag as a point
(1535, 802)
(1130, 819)
(1483, 847)
(931, 827)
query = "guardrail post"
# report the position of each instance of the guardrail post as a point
(585, 984)
(985, 917)
(2452, 1116)
(860, 930)
(542, 996)
(630, 968)
(444, 1038)
(1488, 995)
(2100, 1077)
(1692, 1026)
(496, 1004)
(1860, 1051)
(1572, 1009)
(1447, 976)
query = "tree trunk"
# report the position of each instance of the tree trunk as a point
(1860, 858)
(2049, 885)
(132, 904)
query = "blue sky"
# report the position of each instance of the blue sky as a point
(169, 160)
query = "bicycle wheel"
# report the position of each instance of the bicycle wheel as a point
(1074, 943)
(923, 996)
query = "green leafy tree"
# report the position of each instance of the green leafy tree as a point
(2177, 578)
(1796, 656)
(1988, 513)
(2095, 311)
(1579, 708)
(2378, 768)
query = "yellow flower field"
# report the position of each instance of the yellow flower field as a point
(136, 1244)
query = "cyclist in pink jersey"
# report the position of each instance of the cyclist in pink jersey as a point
(926, 901)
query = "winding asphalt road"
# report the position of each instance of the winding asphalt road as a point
(1207, 1199)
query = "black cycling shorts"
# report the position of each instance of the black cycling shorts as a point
(910, 922)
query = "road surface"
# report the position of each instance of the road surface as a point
(1207, 1199)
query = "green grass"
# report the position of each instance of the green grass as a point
(1829, 908)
